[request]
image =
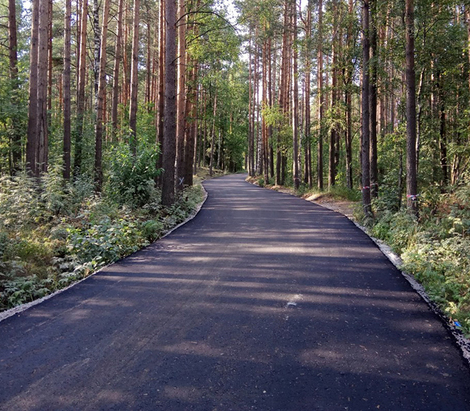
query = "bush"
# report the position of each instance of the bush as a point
(435, 248)
(131, 177)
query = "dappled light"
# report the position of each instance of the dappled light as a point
(216, 316)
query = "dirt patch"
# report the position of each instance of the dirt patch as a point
(341, 206)
(327, 200)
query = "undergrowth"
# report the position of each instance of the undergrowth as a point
(62, 232)
(435, 248)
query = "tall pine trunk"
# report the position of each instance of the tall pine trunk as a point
(320, 97)
(134, 79)
(67, 89)
(117, 65)
(13, 60)
(101, 100)
(42, 148)
(181, 96)
(411, 172)
(295, 103)
(169, 127)
(161, 90)
(77, 166)
(374, 172)
(308, 142)
(365, 135)
(32, 142)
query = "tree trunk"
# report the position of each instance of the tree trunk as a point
(169, 128)
(117, 64)
(96, 48)
(320, 97)
(308, 142)
(365, 140)
(211, 161)
(67, 90)
(467, 20)
(251, 140)
(101, 100)
(49, 63)
(13, 60)
(374, 172)
(348, 99)
(32, 142)
(191, 130)
(148, 73)
(411, 174)
(161, 90)
(264, 132)
(181, 96)
(134, 79)
(295, 104)
(42, 120)
(81, 92)
(334, 95)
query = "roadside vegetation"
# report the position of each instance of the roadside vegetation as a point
(434, 247)
(58, 234)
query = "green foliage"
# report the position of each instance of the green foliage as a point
(54, 232)
(106, 241)
(435, 249)
(131, 177)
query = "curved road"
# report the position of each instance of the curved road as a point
(262, 302)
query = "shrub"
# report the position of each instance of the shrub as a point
(131, 177)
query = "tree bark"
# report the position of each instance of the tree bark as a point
(117, 65)
(348, 99)
(295, 103)
(161, 90)
(42, 119)
(181, 96)
(67, 89)
(365, 140)
(191, 129)
(101, 100)
(411, 172)
(134, 79)
(32, 142)
(332, 149)
(13, 60)
(467, 21)
(251, 140)
(374, 172)
(308, 142)
(81, 92)
(96, 48)
(211, 161)
(320, 97)
(169, 128)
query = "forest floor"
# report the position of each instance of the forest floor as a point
(328, 200)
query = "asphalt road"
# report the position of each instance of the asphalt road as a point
(263, 302)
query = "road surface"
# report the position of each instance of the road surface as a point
(263, 302)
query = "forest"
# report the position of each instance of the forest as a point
(110, 107)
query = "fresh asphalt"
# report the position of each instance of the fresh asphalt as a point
(262, 302)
